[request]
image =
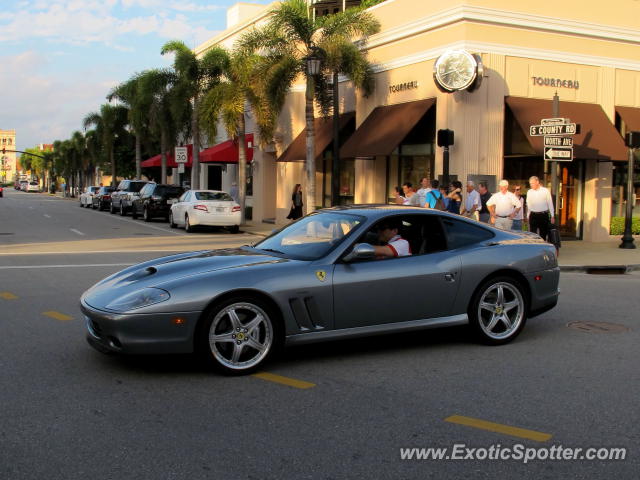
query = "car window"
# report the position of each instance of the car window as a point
(136, 186)
(460, 233)
(313, 236)
(183, 197)
(168, 191)
(222, 196)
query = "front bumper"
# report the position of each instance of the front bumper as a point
(140, 333)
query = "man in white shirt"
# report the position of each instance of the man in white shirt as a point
(396, 246)
(503, 207)
(472, 203)
(425, 188)
(410, 196)
(540, 205)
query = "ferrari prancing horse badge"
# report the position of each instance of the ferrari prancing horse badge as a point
(321, 274)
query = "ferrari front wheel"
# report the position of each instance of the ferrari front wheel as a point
(239, 336)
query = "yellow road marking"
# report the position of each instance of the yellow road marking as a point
(7, 296)
(57, 315)
(498, 427)
(291, 382)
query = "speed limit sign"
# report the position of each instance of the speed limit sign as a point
(181, 154)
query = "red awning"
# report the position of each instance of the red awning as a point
(227, 152)
(156, 161)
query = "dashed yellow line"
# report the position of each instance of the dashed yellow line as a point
(57, 315)
(8, 296)
(499, 428)
(291, 382)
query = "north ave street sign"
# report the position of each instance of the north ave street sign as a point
(558, 154)
(558, 142)
(563, 129)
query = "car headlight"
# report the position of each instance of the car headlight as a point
(141, 298)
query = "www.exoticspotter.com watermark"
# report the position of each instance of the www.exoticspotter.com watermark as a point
(517, 452)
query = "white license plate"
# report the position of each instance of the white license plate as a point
(220, 209)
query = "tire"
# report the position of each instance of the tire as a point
(145, 215)
(187, 226)
(93, 206)
(112, 210)
(234, 229)
(134, 212)
(172, 224)
(247, 333)
(123, 211)
(498, 311)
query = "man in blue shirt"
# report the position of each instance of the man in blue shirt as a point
(433, 195)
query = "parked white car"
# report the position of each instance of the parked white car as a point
(33, 186)
(86, 197)
(205, 207)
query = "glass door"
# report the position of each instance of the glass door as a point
(570, 199)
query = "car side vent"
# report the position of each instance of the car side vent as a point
(306, 313)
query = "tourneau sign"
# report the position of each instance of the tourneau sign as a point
(558, 154)
(562, 129)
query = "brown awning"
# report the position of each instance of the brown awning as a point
(385, 128)
(598, 138)
(323, 129)
(631, 117)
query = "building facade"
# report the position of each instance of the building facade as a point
(8, 167)
(587, 54)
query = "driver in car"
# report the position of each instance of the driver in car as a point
(392, 244)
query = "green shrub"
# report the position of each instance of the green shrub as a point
(617, 226)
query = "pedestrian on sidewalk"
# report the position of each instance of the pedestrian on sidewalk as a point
(518, 219)
(472, 202)
(503, 206)
(485, 195)
(296, 203)
(540, 206)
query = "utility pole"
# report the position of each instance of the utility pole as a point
(554, 165)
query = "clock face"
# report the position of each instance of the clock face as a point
(455, 70)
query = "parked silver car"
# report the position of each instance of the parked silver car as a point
(319, 279)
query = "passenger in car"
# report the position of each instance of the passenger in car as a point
(393, 245)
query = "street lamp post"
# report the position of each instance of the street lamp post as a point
(632, 140)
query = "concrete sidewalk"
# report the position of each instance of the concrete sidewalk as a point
(574, 255)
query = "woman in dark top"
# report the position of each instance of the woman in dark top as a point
(296, 203)
(455, 197)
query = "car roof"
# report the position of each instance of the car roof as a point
(381, 210)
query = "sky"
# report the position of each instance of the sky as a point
(60, 58)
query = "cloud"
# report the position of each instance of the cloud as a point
(44, 109)
(81, 22)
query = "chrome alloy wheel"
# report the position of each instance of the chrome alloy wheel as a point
(500, 310)
(240, 336)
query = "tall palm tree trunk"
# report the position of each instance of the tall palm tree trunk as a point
(138, 157)
(195, 128)
(242, 167)
(163, 157)
(310, 164)
(113, 166)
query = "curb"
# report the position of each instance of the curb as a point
(600, 268)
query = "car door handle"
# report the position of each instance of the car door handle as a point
(450, 277)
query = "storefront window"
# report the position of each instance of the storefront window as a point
(619, 190)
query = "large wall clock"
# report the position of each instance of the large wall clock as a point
(457, 70)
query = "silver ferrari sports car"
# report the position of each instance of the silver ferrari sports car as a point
(326, 276)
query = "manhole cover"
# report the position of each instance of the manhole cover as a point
(598, 327)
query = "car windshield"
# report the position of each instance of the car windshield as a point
(313, 236)
(136, 186)
(213, 196)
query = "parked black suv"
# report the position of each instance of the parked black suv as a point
(124, 195)
(155, 201)
(102, 199)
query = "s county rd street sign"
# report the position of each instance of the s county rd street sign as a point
(558, 154)
(563, 129)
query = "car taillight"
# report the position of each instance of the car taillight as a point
(236, 208)
(201, 207)
(106, 197)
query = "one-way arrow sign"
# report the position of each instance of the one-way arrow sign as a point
(558, 154)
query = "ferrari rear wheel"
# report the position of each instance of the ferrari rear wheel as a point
(498, 311)
(240, 335)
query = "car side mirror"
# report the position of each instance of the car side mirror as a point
(362, 251)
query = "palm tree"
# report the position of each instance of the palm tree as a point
(294, 36)
(156, 91)
(130, 95)
(242, 87)
(194, 76)
(79, 155)
(109, 123)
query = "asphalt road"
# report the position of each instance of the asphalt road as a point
(69, 412)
